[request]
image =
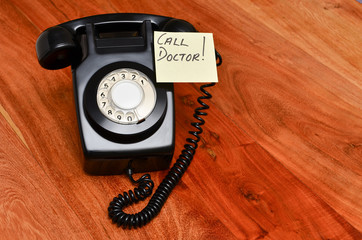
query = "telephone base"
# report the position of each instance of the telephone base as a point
(117, 166)
(106, 157)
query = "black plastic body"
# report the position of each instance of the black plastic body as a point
(95, 46)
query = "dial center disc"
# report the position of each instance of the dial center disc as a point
(126, 94)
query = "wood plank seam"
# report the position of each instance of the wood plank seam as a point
(13, 126)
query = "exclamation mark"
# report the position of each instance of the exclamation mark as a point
(203, 48)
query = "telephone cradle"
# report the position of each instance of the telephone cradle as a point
(126, 119)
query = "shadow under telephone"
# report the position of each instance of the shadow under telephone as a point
(126, 119)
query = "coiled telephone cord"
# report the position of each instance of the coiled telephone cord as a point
(145, 184)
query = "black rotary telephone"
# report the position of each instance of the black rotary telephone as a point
(126, 119)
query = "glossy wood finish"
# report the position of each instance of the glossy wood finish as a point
(281, 153)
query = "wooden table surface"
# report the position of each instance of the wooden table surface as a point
(281, 153)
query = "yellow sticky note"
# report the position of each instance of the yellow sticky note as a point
(184, 57)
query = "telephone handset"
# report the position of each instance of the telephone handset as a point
(126, 119)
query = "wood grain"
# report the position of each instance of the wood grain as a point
(280, 156)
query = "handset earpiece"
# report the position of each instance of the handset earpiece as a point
(178, 25)
(57, 49)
